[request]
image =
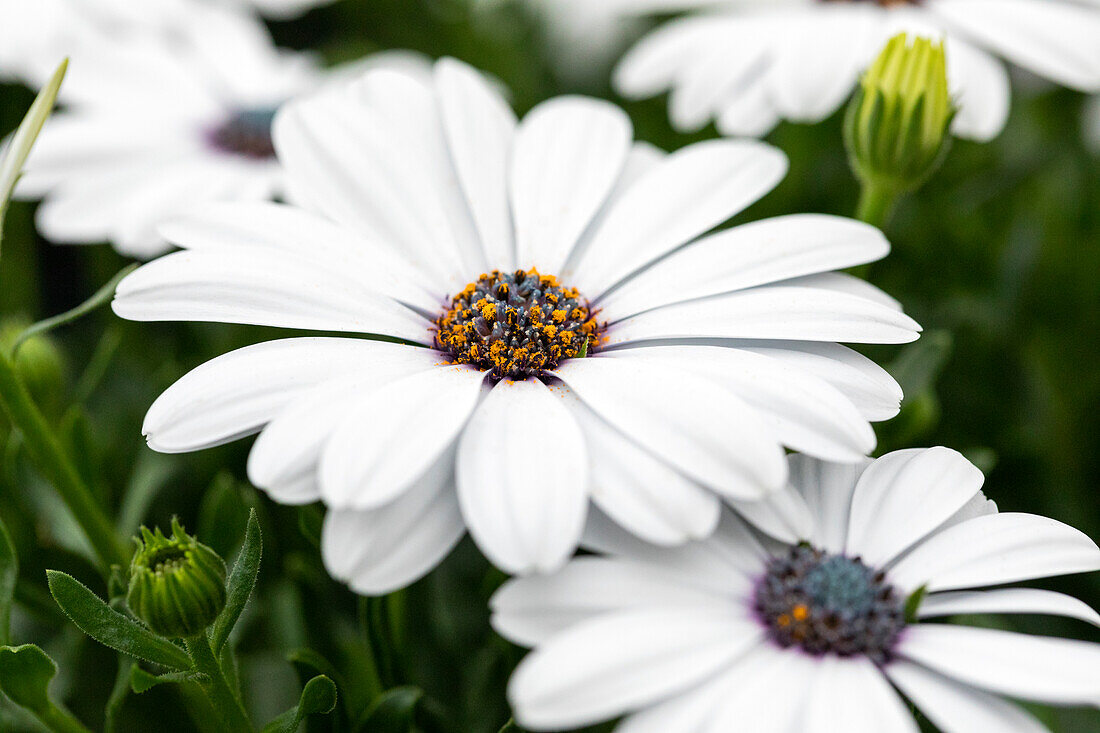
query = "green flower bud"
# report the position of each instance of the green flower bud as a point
(897, 125)
(39, 362)
(177, 584)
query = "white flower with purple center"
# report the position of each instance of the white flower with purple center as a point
(155, 123)
(748, 64)
(743, 632)
(570, 332)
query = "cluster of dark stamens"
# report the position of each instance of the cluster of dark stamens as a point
(516, 324)
(829, 604)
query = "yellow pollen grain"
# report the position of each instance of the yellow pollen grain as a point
(800, 612)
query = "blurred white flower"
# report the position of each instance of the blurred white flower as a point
(740, 632)
(748, 64)
(156, 124)
(422, 209)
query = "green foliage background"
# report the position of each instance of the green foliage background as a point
(998, 257)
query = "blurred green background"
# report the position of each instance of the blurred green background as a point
(998, 257)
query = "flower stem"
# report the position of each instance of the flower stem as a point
(52, 460)
(876, 203)
(221, 695)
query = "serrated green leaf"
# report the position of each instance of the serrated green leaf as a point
(142, 681)
(393, 712)
(318, 698)
(9, 573)
(242, 579)
(111, 628)
(25, 674)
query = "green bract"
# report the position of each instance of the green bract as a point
(177, 584)
(897, 124)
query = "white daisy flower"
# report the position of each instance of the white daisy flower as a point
(501, 251)
(740, 632)
(748, 64)
(156, 124)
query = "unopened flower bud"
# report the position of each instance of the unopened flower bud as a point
(38, 361)
(897, 125)
(177, 584)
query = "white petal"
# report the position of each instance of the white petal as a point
(641, 492)
(980, 84)
(958, 708)
(1054, 39)
(530, 611)
(771, 312)
(749, 111)
(1007, 600)
(567, 156)
(852, 696)
(480, 127)
(284, 459)
(385, 549)
(747, 256)
(694, 424)
(652, 65)
(827, 489)
(523, 478)
(766, 691)
(394, 433)
(995, 549)
(804, 412)
(905, 495)
(782, 515)
(685, 195)
(295, 231)
(820, 60)
(373, 155)
(743, 684)
(721, 69)
(623, 661)
(1044, 669)
(842, 282)
(251, 286)
(726, 564)
(871, 389)
(237, 393)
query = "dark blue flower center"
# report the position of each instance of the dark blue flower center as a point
(246, 133)
(829, 604)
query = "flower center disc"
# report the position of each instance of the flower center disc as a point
(246, 133)
(829, 604)
(516, 324)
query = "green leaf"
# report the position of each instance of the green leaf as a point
(393, 712)
(101, 297)
(9, 573)
(510, 727)
(142, 681)
(318, 698)
(11, 166)
(912, 604)
(242, 579)
(109, 627)
(25, 675)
